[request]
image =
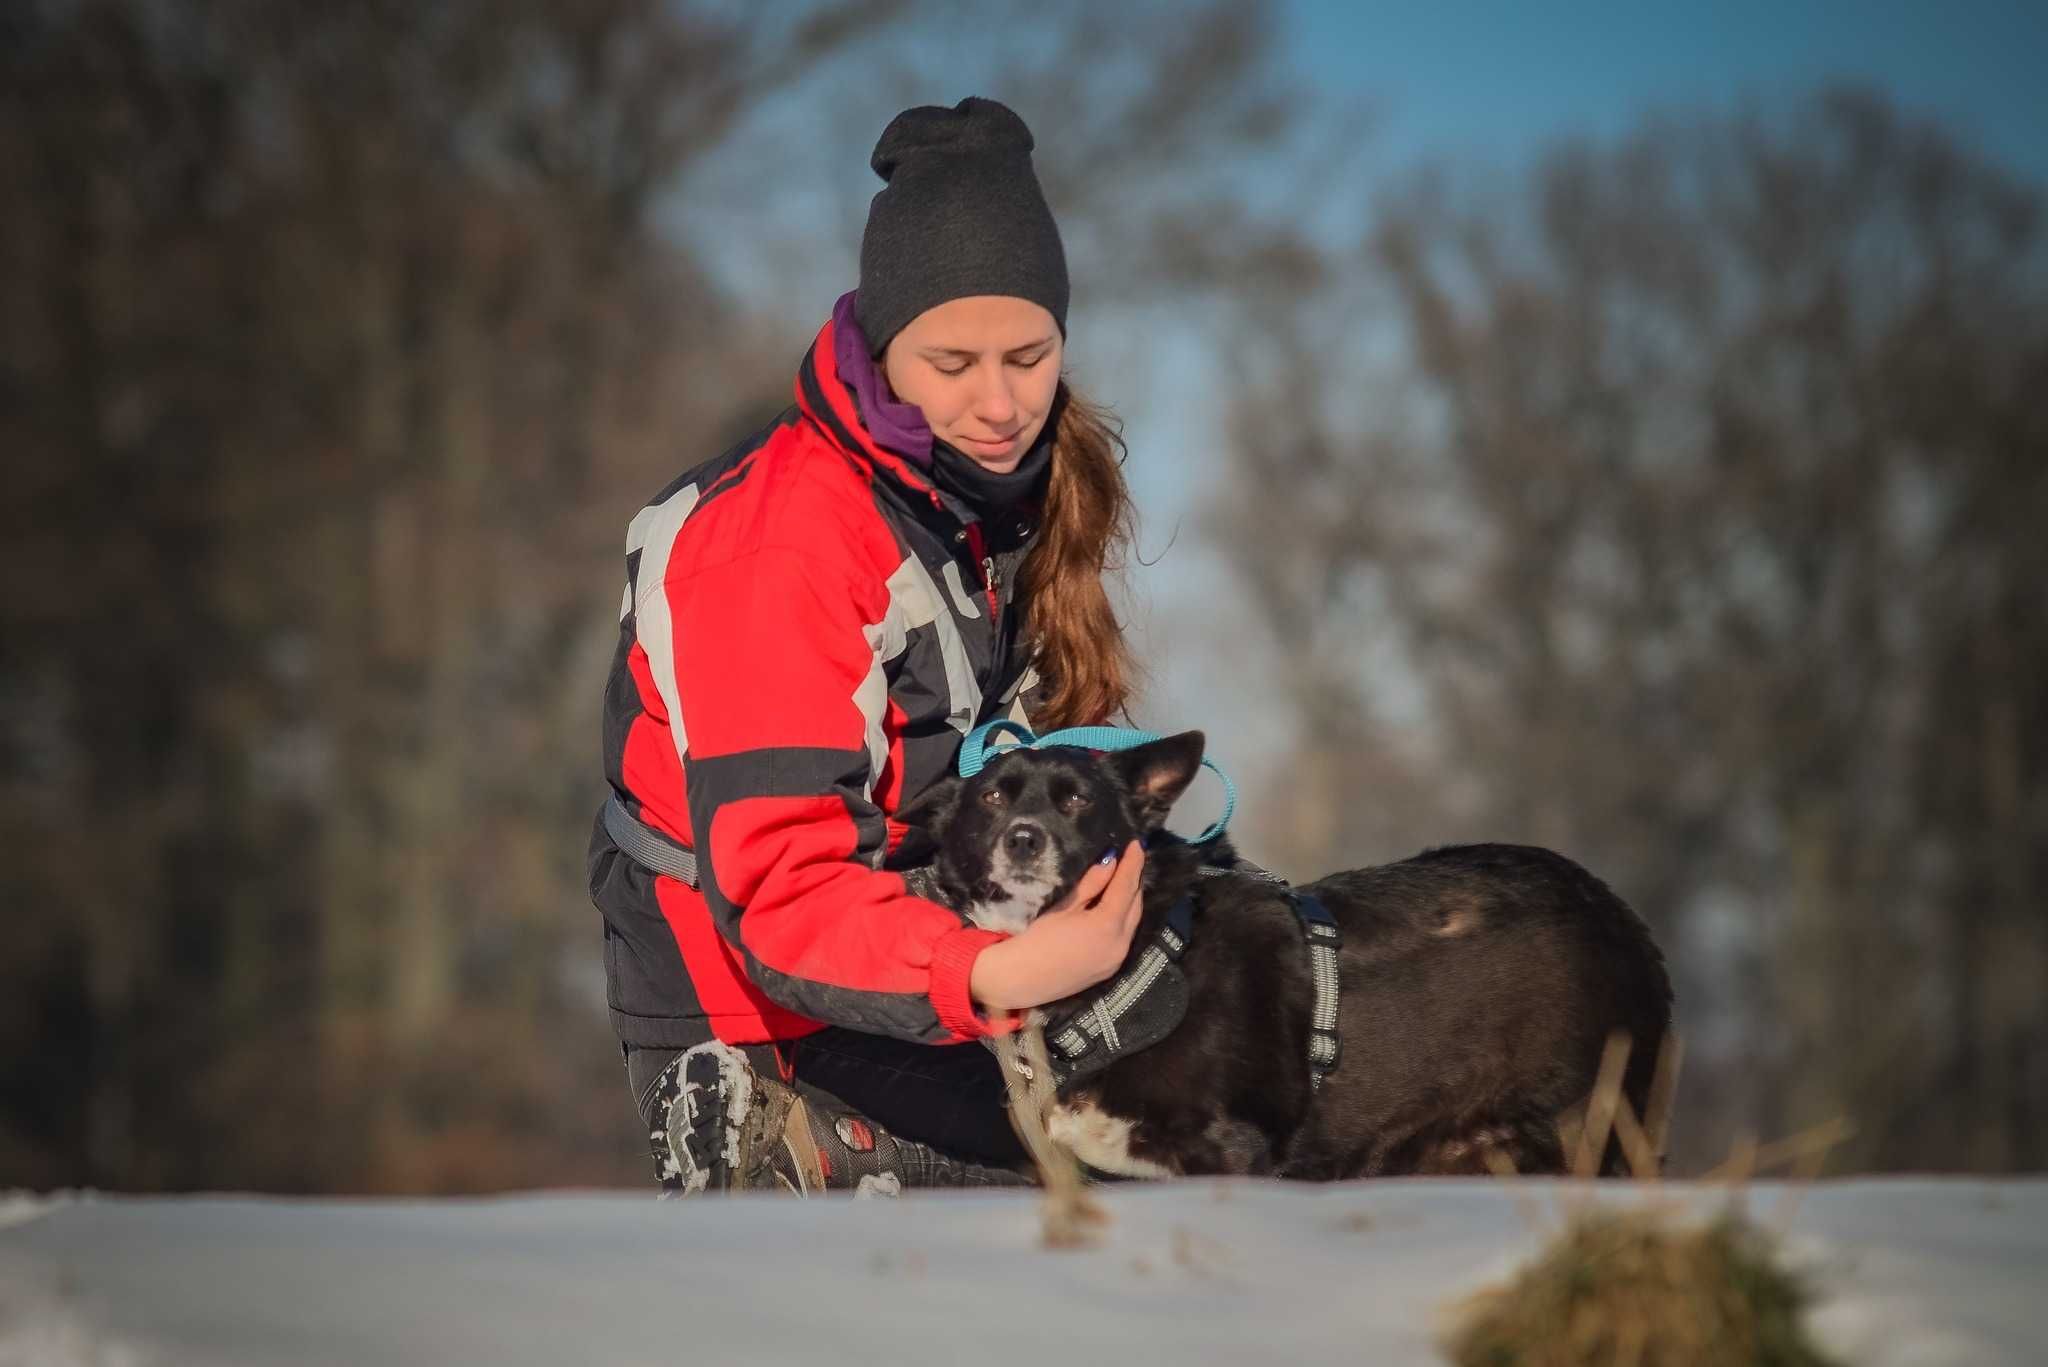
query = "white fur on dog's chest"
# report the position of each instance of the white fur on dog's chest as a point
(1010, 915)
(1024, 897)
(1099, 1139)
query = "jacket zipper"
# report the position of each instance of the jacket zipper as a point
(989, 578)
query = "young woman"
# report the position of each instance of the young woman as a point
(812, 622)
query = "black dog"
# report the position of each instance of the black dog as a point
(1479, 984)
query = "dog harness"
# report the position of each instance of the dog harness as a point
(1141, 1007)
(1135, 1011)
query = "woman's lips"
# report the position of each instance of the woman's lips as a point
(990, 448)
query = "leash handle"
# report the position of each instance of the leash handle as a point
(979, 748)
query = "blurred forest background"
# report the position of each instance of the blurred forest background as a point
(1677, 501)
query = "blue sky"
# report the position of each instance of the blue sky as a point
(1495, 84)
(1497, 80)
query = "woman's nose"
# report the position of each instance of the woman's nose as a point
(994, 403)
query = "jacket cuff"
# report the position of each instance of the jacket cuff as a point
(952, 961)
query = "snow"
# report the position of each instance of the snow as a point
(1914, 1272)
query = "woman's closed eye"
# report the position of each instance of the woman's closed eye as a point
(1027, 361)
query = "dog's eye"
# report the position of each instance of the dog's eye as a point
(1074, 802)
(992, 797)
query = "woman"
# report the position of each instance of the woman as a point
(812, 622)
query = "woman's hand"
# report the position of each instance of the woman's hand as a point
(1071, 946)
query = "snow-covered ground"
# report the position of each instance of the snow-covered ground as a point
(1912, 1271)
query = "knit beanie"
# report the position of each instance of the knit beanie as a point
(961, 214)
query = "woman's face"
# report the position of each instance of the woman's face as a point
(984, 370)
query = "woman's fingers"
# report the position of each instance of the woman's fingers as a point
(1125, 883)
(1092, 884)
(1122, 905)
(1116, 897)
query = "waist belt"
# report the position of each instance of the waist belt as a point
(647, 847)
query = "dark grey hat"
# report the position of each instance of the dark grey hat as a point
(961, 215)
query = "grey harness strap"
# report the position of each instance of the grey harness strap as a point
(645, 846)
(1319, 929)
(1324, 940)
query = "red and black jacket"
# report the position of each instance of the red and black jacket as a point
(809, 628)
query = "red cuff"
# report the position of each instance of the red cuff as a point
(952, 962)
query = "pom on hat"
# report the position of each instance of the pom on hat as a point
(975, 126)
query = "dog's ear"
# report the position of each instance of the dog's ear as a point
(924, 820)
(1156, 774)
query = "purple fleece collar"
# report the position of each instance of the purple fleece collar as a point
(898, 427)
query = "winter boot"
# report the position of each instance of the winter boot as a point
(717, 1125)
(721, 1126)
(854, 1154)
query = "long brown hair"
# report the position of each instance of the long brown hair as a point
(1083, 661)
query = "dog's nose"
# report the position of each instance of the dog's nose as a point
(1023, 841)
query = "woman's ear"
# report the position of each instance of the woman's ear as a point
(924, 821)
(1156, 774)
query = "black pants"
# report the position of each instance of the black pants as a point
(949, 1096)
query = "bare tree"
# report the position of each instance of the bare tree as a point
(346, 338)
(341, 343)
(1693, 531)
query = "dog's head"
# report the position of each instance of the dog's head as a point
(1015, 839)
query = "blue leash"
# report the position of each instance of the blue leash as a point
(977, 750)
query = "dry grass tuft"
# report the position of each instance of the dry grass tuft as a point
(1645, 1287)
(1638, 1289)
(1071, 1214)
